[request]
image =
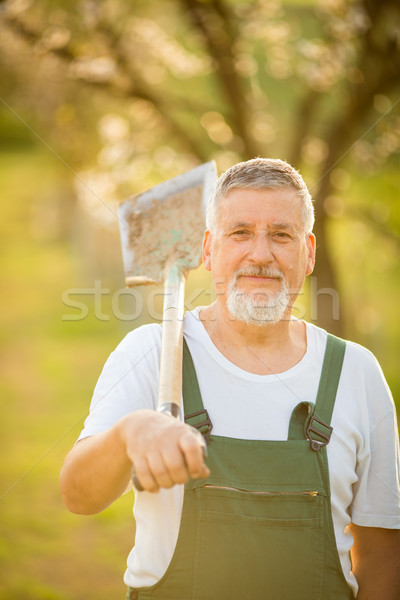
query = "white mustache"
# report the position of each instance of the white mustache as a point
(258, 271)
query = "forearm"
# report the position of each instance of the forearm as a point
(96, 472)
(376, 563)
(165, 452)
(378, 579)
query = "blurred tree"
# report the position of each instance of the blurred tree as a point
(168, 84)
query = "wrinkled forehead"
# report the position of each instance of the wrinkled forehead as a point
(248, 204)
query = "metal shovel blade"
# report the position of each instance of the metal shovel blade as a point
(161, 234)
(164, 226)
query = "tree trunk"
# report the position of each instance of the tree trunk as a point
(326, 305)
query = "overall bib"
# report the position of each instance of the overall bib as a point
(260, 527)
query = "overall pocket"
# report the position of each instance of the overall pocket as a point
(258, 545)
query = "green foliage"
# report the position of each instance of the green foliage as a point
(101, 100)
(48, 373)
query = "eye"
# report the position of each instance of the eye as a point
(240, 234)
(282, 236)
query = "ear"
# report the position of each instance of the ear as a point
(311, 246)
(207, 250)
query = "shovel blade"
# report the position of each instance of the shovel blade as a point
(164, 226)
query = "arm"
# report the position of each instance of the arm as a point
(98, 469)
(376, 562)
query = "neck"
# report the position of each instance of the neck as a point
(271, 348)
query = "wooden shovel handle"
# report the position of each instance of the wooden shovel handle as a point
(170, 385)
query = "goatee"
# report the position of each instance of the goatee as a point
(260, 308)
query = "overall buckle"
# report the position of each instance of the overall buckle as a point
(318, 433)
(204, 426)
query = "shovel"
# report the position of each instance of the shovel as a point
(161, 236)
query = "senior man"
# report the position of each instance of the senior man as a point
(298, 496)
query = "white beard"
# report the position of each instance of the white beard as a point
(262, 308)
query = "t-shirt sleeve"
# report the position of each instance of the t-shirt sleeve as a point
(376, 500)
(128, 381)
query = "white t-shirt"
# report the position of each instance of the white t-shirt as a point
(363, 453)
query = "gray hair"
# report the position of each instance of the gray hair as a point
(261, 173)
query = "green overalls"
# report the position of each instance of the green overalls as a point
(260, 527)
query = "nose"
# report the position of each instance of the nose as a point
(260, 249)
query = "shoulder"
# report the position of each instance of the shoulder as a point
(362, 374)
(139, 351)
(363, 364)
(141, 339)
(355, 355)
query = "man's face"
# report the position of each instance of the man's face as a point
(259, 253)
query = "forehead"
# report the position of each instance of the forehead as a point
(267, 206)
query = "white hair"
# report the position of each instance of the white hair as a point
(261, 173)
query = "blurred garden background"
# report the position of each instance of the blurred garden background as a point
(100, 100)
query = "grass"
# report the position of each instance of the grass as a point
(47, 375)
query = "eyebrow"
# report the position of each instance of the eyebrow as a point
(243, 224)
(239, 225)
(283, 226)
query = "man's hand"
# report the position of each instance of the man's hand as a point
(98, 469)
(163, 450)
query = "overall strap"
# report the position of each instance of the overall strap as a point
(318, 428)
(330, 375)
(313, 421)
(195, 414)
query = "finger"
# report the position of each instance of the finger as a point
(194, 455)
(144, 476)
(174, 461)
(135, 480)
(159, 470)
